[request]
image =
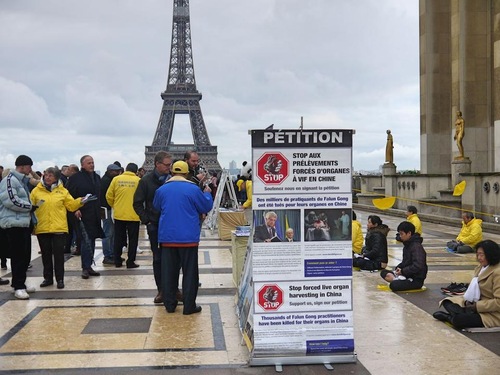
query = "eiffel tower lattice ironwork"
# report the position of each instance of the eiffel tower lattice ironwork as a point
(182, 97)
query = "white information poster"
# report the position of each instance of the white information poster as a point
(301, 242)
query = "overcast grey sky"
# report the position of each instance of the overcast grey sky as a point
(85, 77)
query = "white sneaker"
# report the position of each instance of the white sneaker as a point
(139, 251)
(21, 294)
(30, 289)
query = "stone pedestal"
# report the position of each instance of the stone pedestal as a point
(457, 167)
(388, 169)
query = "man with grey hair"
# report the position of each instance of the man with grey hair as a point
(143, 206)
(87, 181)
(267, 232)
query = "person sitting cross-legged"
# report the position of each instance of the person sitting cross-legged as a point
(412, 271)
(480, 305)
(374, 253)
(469, 236)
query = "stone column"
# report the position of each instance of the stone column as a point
(457, 167)
(435, 83)
(388, 169)
(471, 79)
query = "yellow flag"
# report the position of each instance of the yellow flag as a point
(459, 189)
(384, 203)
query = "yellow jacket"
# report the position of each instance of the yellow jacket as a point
(120, 196)
(471, 233)
(413, 218)
(357, 237)
(248, 187)
(51, 214)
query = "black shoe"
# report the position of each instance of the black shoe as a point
(118, 265)
(107, 260)
(85, 274)
(60, 284)
(93, 273)
(442, 316)
(4, 282)
(171, 309)
(197, 309)
(158, 298)
(449, 288)
(46, 283)
(132, 265)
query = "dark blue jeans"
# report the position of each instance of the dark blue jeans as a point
(152, 229)
(109, 236)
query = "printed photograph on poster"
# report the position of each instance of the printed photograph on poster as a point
(277, 225)
(327, 224)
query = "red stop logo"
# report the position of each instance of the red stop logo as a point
(270, 297)
(272, 168)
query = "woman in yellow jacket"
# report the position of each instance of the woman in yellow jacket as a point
(51, 229)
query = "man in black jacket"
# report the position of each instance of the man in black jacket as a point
(143, 206)
(79, 185)
(412, 271)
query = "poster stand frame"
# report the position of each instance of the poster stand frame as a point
(304, 360)
(291, 358)
(224, 183)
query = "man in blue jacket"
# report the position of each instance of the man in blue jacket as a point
(180, 203)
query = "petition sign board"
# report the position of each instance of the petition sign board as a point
(301, 250)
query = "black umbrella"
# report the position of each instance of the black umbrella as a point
(85, 235)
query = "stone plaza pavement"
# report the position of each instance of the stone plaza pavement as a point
(111, 325)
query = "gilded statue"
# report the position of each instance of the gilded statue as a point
(389, 156)
(459, 134)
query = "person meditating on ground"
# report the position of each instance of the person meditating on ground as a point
(412, 271)
(412, 217)
(374, 254)
(480, 305)
(469, 236)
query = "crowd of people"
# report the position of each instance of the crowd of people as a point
(479, 304)
(74, 206)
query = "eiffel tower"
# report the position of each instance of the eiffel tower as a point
(182, 97)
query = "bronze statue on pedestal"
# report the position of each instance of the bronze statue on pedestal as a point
(459, 135)
(389, 155)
